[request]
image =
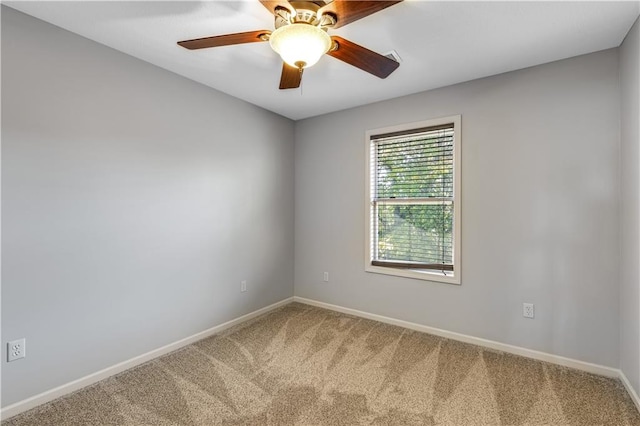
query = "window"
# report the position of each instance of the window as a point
(413, 200)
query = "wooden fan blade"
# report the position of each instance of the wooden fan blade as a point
(271, 5)
(347, 11)
(291, 77)
(363, 58)
(225, 40)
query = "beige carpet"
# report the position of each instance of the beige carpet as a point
(301, 365)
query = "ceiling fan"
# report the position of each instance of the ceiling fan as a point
(301, 37)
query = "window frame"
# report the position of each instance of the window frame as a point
(421, 274)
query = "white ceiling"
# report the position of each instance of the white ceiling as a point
(439, 43)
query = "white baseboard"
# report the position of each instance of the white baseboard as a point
(632, 393)
(50, 395)
(504, 347)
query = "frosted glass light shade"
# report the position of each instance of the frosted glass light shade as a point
(300, 45)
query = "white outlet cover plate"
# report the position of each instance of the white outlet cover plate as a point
(16, 349)
(528, 310)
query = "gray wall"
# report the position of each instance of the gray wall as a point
(630, 213)
(134, 202)
(540, 205)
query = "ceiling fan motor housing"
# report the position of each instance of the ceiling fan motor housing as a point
(306, 12)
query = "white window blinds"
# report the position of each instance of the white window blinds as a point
(412, 199)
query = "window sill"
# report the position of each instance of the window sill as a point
(415, 274)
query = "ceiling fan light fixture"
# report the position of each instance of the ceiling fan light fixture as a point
(300, 45)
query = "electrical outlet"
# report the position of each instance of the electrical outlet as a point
(326, 277)
(16, 349)
(243, 286)
(528, 310)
